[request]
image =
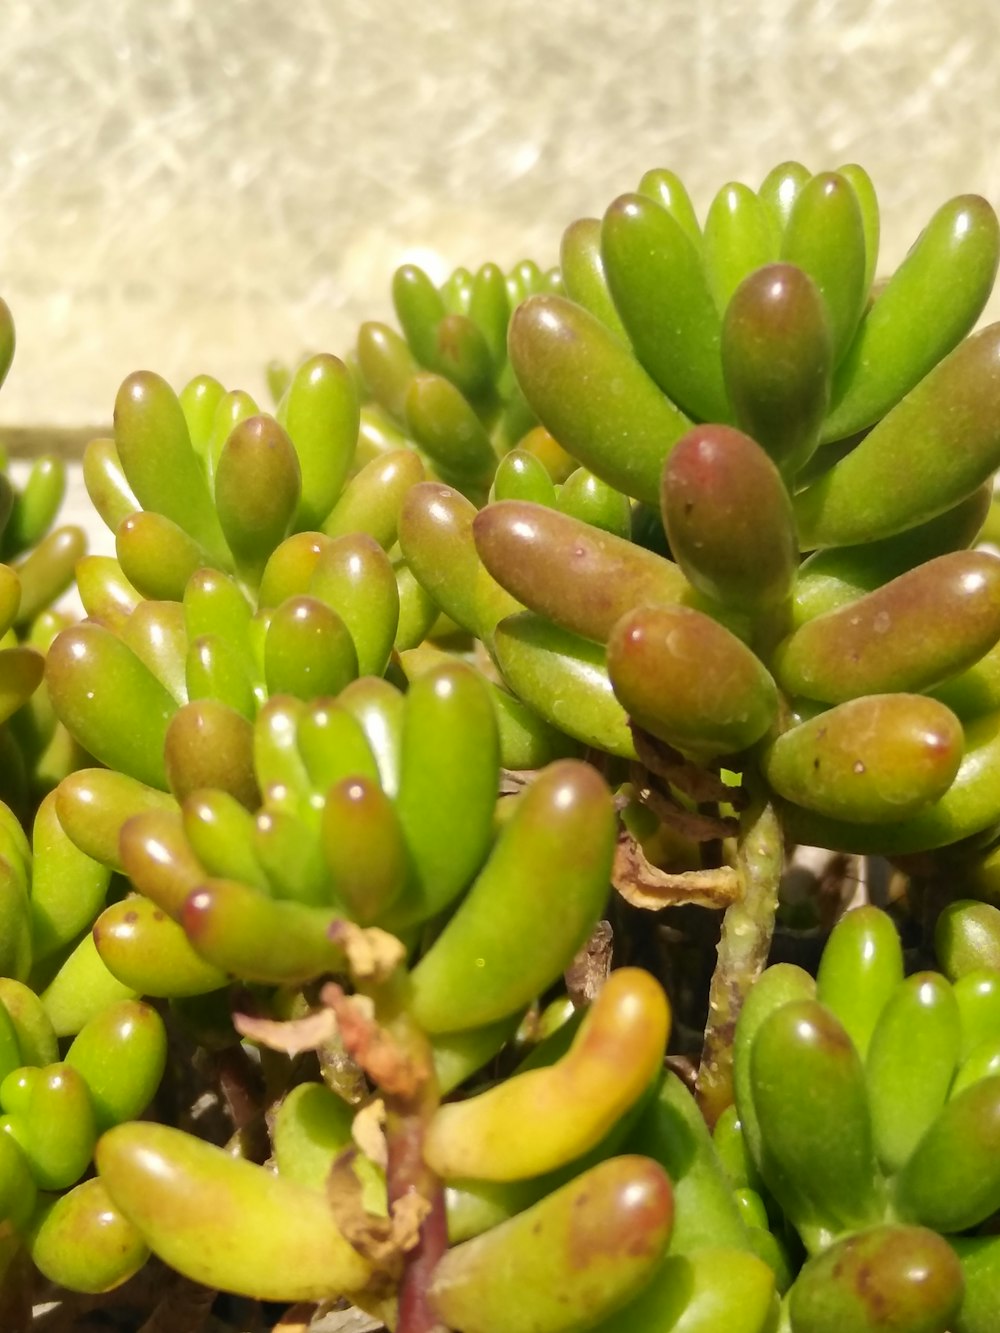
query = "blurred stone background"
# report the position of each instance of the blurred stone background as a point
(193, 186)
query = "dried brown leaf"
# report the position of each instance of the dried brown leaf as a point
(291, 1036)
(382, 1240)
(700, 784)
(396, 1070)
(648, 887)
(381, 1305)
(514, 780)
(589, 969)
(372, 954)
(370, 1234)
(353, 1320)
(368, 1132)
(685, 1069)
(408, 1213)
(691, 823)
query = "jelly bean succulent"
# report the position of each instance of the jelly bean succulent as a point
(37, 564)
(405, 833)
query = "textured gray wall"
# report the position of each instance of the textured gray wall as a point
(191, 185)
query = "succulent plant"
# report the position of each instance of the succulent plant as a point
(867, 1104)
(331, 967)
(38, 567)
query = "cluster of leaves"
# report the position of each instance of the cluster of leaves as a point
(628, 574)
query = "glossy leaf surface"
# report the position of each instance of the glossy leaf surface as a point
(728, 518)
(689, 681)
(567, 1107)
(163, 470)
(320, 414)
(903, 1278)
(435, 534)
(861, 967)
(910, 1065)
(571, 1259)
(738, 238)
(825, 237)
(929, 304)
(911, 633)
(662, 293)
(874, 759)
(937, 446)
(149, 952)
(623, 427)
(830, 578)
(564, 679)
(80, 1240)
(241, 931)
(809, 1094)
(971, 804)
(967, 938)
(121, 1055)
(776, 357)
(354, 577)
(447, 786)
(546, 881)
(952, 1181)
(582, 269)
(702, 1292)
(258, 484)
(110, 702)
(570, 572)
(225, 1222)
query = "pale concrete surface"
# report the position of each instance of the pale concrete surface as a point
(194, 186)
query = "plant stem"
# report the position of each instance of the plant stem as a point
(407, 1173)
(407, 1116)
(747, 928)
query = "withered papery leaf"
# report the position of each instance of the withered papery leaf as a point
(382, 1240)
(408, 1213)
(395, 1070)
(370, 1234)
(668, 810)
(292, 1036)
(372, 954)
(701, 784)
(353, 1320)
(368, 1132)
(589, 969)
(646, 886)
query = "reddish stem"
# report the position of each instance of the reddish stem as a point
(407, 1115)
(415, 1312)
(406, 1173)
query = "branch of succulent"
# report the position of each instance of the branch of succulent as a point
(417, 796)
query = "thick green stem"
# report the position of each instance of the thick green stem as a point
(747, 928)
